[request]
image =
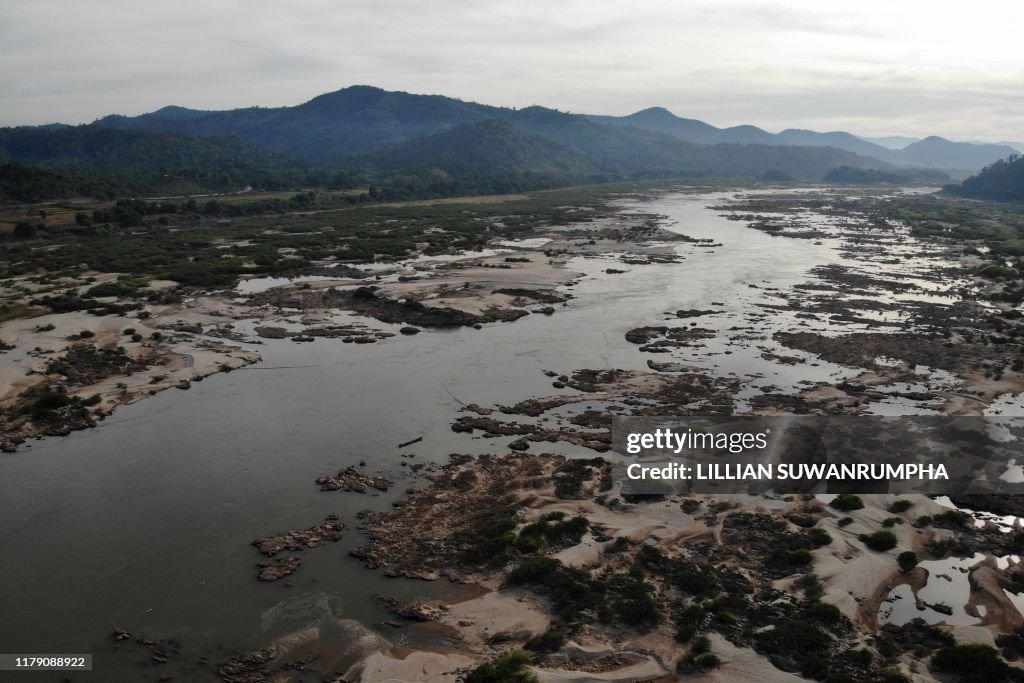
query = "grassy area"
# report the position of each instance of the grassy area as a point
(198, 245)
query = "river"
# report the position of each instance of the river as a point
(144, 523)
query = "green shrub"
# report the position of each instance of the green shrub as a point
(847, 502)
(488, 539)
(632, 601)
(509, 669)
(553, 530)
(899, 506)
(975, 663)
(824, 613)
(800, 557)
(907, 560)
(686, 575)
(879, 541)
(688, 622)
(571, 591)
(551, 640)
(819, 537)
(706, 661)
(951, 519)
(701, 645)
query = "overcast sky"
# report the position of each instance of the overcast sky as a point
(873, 67)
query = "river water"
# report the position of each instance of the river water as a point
(144, 523)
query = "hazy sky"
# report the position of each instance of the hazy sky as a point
(874, 67)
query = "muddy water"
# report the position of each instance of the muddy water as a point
(145, 522)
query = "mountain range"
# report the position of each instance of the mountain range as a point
(374, 134)
(901, 141)
(362, 119)
(931, 152)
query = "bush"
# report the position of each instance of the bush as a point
(617, 546)
(796, 644)
(554, 530)
(701, 645)
(824, 613)
(488, 539)
(570, 590)
(509, 669)
(700, 657)
(800, 557)
(688, 622)
(47, 401)
(847, 502)
(687, 576)
(706, 661)
(892, 676)
(951, 519)
(975, 663)
(879, 541)
(899, 506)
(819, 537)
(907, 560)
(632, 602)
(845, 521)
(551, 640)
(811, 586)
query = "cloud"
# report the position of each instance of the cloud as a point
(886, 67)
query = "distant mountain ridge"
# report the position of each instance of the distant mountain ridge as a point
(891, 141)
(934, 151)
(367, 128)
(362, 119)
(369, 135)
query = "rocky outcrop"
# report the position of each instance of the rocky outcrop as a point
(351, 480)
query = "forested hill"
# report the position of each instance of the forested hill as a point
(1001, 181)
(104, 161)
(933, 151)
(416, 145)
(357, 123)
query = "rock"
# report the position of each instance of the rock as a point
(315, 536)
(351, 480)
(271, 332)
(278, 569)
(694, 312)
(248, 668)
(410, 330)
(519, 445)
(419, 611)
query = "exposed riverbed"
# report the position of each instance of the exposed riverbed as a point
(144, 523)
